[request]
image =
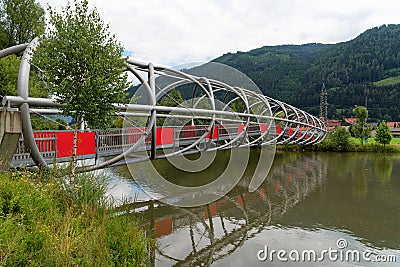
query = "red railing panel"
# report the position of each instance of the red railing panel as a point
(86, 143)
(214, 133)
(165, 136)
(189, 131)
(263, 128)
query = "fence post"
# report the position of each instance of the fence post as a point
(10, 131)
(55, 148)
(96, 136)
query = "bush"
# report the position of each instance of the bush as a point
(338, 140)
(383, 134)
(45, 221)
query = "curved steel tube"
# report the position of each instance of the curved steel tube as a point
(297, 126)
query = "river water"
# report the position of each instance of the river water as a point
(313, 209)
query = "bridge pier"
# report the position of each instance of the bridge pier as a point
(10, 131)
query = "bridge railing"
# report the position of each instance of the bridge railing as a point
(47, 144)
(57, 145)
(111, 141)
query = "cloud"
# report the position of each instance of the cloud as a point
(179, 31)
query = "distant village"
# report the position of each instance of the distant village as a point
(347, 122)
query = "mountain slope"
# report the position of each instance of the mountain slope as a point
(277, 70)
(365, 70)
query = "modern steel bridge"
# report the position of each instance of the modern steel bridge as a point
(221, 114)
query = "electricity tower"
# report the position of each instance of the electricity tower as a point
(323, 105)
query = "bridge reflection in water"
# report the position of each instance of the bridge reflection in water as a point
(204, 235)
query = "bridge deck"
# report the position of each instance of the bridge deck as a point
(56, 146)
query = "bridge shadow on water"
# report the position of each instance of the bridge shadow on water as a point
(307, 201)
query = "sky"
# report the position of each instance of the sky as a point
(174, 32)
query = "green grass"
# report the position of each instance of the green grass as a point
(388, 81)
(45, 221)
(354, 145)
(395, 141)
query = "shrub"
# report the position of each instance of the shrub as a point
(383, 134)
(340, 139)
(45, 221)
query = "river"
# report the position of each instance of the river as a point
(313, 209)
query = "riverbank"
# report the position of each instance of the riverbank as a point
(45, 221)
(329, 145)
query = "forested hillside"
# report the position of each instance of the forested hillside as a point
(365, 70)
(278, 70)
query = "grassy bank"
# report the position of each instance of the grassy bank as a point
(340, 140)
(45, 221)
(394, 141)
(354, 145)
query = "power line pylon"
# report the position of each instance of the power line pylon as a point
(323, 105)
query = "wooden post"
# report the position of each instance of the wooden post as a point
(10, 132)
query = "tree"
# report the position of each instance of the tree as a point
(360, 130)
(21, 21)
(8, 86)
(383, 134)
(82, 66)
(340, 139)
(171, 99)
(118, 122)
(62, 124)
(40, 123)
(9, 76)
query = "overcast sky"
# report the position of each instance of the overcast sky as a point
(173, 32)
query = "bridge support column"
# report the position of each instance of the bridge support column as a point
(10, 131)
(153, 101)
